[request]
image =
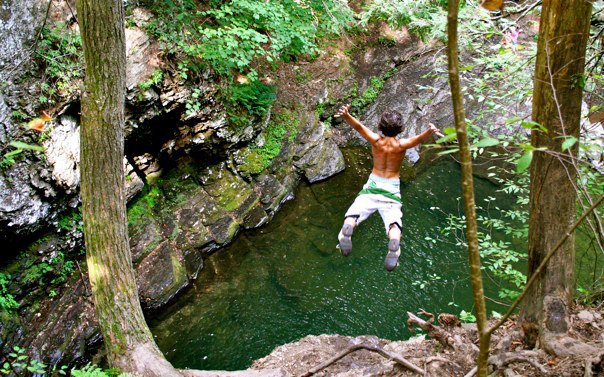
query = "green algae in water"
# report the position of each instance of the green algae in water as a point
(286, 280)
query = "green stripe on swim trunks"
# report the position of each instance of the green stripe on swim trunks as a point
(379, 191)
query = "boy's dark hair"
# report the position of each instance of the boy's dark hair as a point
(391, 123)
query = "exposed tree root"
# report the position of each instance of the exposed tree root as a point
(441, 359)
(502, 360)
(434, 332)
(594, 363)
(369, 347)
(562, 345)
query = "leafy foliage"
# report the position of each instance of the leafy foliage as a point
(16, 148)
(259, 157)
(250, 99)
(59, 54)
(502, 236)
(154, 80)
(370, 94)
(19, 363)
(48, 273)
(231, 35)
(236, 36)
(7, 300)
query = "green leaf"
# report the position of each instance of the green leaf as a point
(488, 142)
(13, 153)
(22, 145)
(513, 120)
(532, 125)
(524, 161)
(447, 138)
(569, 142)
(448, 151)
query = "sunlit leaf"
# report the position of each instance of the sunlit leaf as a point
(492, 4)
(13, 153)
(569, 142)
(532, 125)
(448, 151)
(22, 145)
(446, 138)
(488, 142)
(524, 161)
(513, 120)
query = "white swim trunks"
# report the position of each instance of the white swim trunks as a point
(382, 195)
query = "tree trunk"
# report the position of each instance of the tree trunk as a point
(563, 35)
(467, 187)
(130, 346)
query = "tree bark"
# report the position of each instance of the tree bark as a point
(130, 346)
(563, 35)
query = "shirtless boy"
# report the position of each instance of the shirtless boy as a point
(382, 191)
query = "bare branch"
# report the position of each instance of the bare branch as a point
(369, 347)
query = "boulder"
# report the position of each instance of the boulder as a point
(322, 160)
(161, 275)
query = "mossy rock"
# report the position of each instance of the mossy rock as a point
(160, 276)
(230, 191)
(253, 163)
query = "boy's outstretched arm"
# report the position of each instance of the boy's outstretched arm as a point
(365, 132)
(424, 136)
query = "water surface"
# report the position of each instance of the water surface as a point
(286, 280)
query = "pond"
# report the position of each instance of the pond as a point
(286, 280)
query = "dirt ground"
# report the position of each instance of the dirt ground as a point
(508, 357)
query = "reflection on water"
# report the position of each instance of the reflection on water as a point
(287, 280)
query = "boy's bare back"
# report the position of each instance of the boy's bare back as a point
(388, 152)
(388, 155)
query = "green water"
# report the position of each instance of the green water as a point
(286, 280)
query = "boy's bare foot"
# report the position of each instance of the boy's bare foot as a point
(344, 238)
(394, 251)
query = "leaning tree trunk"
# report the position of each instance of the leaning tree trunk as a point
(563, 35)
(467, 187)
(130, 346)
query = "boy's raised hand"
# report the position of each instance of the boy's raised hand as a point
(343, 111)
(435, 130)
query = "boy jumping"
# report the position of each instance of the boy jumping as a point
(382, 191)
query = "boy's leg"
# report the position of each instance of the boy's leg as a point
(392, 216)
(344, 237)
(358, 211)
(394, 250)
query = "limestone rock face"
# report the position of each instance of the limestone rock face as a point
(160, 276)
(319, 155)
(63, 154)
(143, 57)
(19, 20)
